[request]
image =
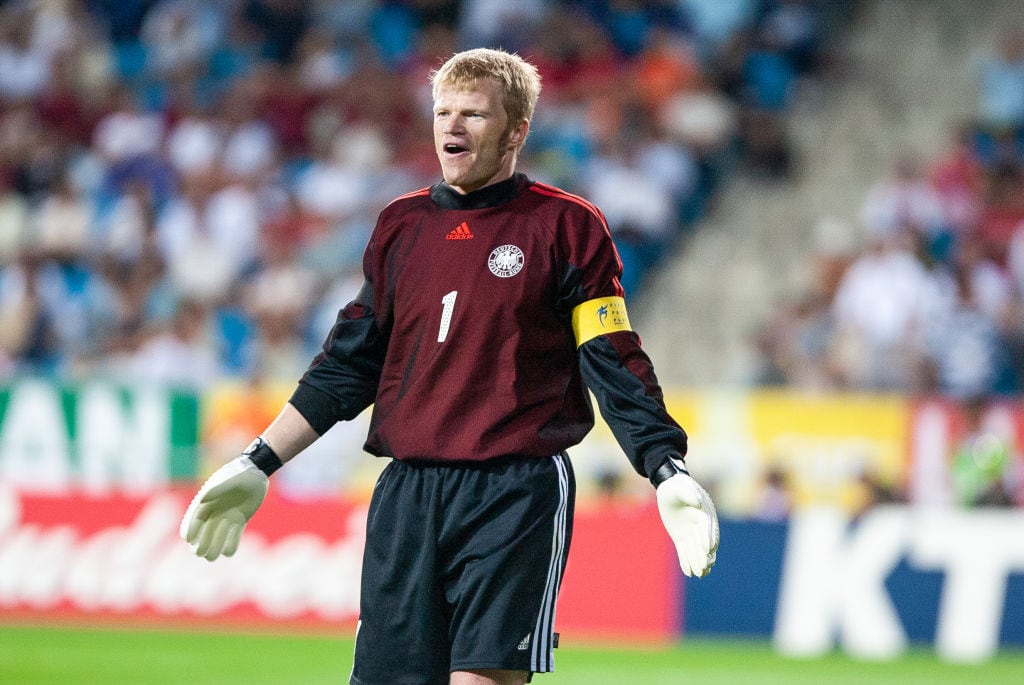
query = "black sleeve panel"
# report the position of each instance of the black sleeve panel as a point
(621, 376)
(342, 380)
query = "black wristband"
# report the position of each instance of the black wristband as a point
(668, 468)
(263, 456)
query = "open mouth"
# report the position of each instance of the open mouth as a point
(453, 149)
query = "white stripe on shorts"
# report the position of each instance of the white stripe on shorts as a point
(542, 658)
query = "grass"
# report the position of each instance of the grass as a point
(52, 656)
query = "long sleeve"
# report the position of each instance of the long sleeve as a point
(342, 379)
(622, 378)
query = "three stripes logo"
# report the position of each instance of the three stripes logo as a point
(461, 232)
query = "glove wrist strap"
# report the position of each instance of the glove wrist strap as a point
(670, 467)
(263, 456)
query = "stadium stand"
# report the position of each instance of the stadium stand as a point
(186, 187)
(907, 97)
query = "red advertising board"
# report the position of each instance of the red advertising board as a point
(85, 558)
(623, 580)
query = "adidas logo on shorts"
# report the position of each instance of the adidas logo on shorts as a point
(524, 644)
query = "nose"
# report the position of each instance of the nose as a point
(453, 123)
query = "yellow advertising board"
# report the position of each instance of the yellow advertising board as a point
(822, 449)
(759, 451)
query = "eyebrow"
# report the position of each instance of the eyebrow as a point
(463, 110)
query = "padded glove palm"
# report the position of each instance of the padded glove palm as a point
(214, 521)
(691, 521)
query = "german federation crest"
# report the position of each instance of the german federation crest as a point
(506, 261)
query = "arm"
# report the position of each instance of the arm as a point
(340, 383)
(621, 376)
(289, 433)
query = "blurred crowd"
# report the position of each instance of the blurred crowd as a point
(932, 299)
(186, 186)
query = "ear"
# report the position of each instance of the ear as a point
(517, 136)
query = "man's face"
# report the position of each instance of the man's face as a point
(472, 137)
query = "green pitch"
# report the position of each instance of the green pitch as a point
(37, 656)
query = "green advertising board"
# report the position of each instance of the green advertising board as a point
(96, 435)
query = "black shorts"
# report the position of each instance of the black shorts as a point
(462, 568)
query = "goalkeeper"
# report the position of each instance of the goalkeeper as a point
(491, 304)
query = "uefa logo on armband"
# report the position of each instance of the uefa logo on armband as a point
(612, 315)
(506, 261)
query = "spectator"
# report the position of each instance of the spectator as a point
(13, 222)
(798, 343)
(280, 23)
(873, 491)
(703, 121)
(28, 338)
(962, 343)
(716, 22)
(769, 77)
(990, 286)
(179, 37)
(881, 306)
(641, 221)
(576, 57)
(774, 502)
(321, 63)
(497, 22)
(251, 147)
(796, 28)
(24, 65)
(59, 224)
(1000, 82)
(32, 156)
(179, 353)
(906, 201)
(199, 266)
(667, 66)
(173, 129)
(766, 144)
(128, 132)
(1015, 260)
(1003, 212)
(195, 143)
(277, 297)
(958, 176)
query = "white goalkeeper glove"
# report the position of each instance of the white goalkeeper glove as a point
(689, 517)
(217, 515)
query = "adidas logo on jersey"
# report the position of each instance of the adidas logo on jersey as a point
(461, 232)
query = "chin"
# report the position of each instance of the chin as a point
(460, 182)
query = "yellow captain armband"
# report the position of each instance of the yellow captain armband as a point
(598, 317)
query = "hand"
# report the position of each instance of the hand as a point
(691, 521)
(214, 521)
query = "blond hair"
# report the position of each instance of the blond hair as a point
(519, 79)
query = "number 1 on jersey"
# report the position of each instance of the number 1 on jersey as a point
(448, 301)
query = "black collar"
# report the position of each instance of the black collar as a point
(488, 196)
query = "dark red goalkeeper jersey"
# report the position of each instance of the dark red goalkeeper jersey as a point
(462, 337)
